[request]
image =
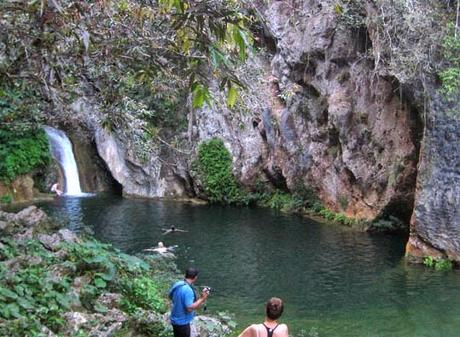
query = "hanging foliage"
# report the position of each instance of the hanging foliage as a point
(140, 49)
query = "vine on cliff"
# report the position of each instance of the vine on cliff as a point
(451, 51)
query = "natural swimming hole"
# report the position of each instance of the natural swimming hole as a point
(335, 282)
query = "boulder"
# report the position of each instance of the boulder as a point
(30, 216)
(206, 326)
(50, 242)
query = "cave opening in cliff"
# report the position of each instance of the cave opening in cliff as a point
(274, 175)
(113, 186)
(116, 188)
(263, 37)
(94, 174)
(402, 206)
(361, 38)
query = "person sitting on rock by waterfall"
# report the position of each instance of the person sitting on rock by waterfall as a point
(270, 327)
(173, 229)
(56, 189)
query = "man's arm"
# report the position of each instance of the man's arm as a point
(195, 305)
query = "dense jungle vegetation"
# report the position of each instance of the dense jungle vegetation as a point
(133, 57)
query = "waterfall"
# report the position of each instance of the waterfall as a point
(61, 149)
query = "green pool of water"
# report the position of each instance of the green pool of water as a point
(334, 282)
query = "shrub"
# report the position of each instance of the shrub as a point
(21, 153)
(388, 224)
(309, 198)
(142, 292)
(327, 214)
(280, 200)
(6, 199)
(450, 76)
(438, 264)
(337, 217)
(215, 170)
(32, 298)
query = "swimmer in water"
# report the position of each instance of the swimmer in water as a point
(173, 229)
(161, 249)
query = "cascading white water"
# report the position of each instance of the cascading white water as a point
(61, 149)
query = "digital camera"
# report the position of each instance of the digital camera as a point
(207, 289)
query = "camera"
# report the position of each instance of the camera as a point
(207, 289)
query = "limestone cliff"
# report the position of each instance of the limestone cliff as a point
(330, 107)
(435, 223)
(354, 110)
(342, 98)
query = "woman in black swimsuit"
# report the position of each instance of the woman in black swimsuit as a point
(270, 327)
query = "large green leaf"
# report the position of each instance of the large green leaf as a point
(200, 95)
(109, 275)
(100, 308)
(238, 37)
(95, 259)
(8, 293)
(232, 96)
(26, 304)
(100, 283)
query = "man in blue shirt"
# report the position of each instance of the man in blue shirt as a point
(185, 302)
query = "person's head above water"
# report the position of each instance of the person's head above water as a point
(160, 244)
(274, 308)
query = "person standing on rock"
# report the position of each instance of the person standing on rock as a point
(270, 327)
(184, 303)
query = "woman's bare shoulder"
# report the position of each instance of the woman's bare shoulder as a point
(250, 331)
(282, 330)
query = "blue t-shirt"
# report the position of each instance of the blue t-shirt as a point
(182, 296)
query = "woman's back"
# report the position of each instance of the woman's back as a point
(270, 327)
(260, 330)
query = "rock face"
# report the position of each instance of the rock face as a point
(340, 127)
(323, 120)
(21, 189)
(435, 225)
(111, 160)
(149, 179)
(329, 109)
(327, 121)
(94, 176)
(333, 122)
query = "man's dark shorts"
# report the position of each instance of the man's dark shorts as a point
(181, 330)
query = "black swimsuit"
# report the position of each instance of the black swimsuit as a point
(270, 331)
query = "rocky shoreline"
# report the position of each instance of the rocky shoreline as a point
(55, 283)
